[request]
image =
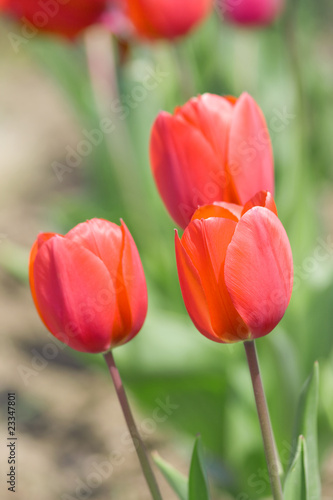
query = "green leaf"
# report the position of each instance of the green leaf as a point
(306, 425)
(295, 487)
(177, 481)
(198, 484)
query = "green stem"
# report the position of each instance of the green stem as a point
(102, 71)
(137, 441)
(185, 72)
(272, 459)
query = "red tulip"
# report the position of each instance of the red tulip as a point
(212, 149)
(251, 12)
(154, 19)
(235, 272)
(64, 17)
(88, 286)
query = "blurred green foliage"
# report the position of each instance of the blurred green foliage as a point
(288, 70)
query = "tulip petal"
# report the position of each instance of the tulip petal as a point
(132, 297)
(252, 12)
(212, 115)
(219, 209)
(261, 199)
(259, 270)
(205, 242)
(178, 153)
(104, 239)
(250, 160)
(74, 294)
(154, 19)
(114, 246)
(231, 98)
(192, 291)
(188, 153)
(42, 238)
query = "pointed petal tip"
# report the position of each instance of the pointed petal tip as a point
(261, 199)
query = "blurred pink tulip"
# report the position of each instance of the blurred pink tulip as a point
(251, 12)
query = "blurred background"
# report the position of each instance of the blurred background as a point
(57, 172)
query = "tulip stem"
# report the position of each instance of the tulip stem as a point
(102, 69)
(272, 459)
(137, 441)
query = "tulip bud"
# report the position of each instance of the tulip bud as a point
(63, 17)
(235, 273)
(169, 19)
(211, 149)
(251, 12)
(89, 286)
